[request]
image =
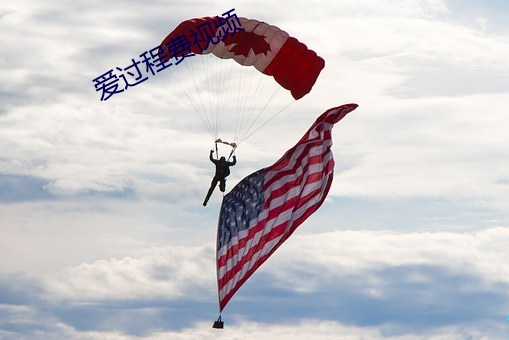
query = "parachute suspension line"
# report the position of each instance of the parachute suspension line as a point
(248, 133)
(196, 109)
(211, 88)
(192, 74)
(251, 96)
(260, 112)
(268, 121)
(205, 64)
(249, 114)
(246, 110)
(207, 119)
(199, 94)
(225, 68)
(250, 125)
(217, 91)
(239, 104)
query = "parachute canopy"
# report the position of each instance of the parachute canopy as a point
(269, 51)
(268, 48)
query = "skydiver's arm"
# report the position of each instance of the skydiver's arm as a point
(234, 161)
(210, 156)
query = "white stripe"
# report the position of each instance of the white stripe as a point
(247, 266)
(315, 168)
(290, 167)
(324, 144)
(234, 240)
(242, 252)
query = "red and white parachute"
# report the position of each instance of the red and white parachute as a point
(235, 100)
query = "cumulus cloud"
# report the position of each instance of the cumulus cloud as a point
(308, 263)
(459, 153)
(339, 253)
(168, 273)
(373, 285)
(382, 284)
(315, 329)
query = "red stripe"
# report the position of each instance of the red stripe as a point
(241, 281)
(313, 208)
(315, 159)
(242, 242)
(257, 228)
(277, 168)
(274, 233)
(299, 181)
(285, 159)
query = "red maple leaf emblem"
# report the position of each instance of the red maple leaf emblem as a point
(246, 41)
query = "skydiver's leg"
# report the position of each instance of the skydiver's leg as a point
(222, 184)
(211, 190)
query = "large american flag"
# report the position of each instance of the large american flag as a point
(266, 207)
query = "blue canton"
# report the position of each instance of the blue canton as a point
(239, 207)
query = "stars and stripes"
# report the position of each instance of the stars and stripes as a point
(266, 207)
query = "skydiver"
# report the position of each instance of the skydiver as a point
(222, 171)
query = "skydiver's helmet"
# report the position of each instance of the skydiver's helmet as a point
(222, 159)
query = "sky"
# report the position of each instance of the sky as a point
(102, 231)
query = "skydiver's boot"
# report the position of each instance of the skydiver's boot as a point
(209, 193)
(207, 198)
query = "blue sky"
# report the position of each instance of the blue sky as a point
(102, 232)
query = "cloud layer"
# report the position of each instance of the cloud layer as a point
(369, 283)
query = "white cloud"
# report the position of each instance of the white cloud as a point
(309, 264)
(307, 329)
(339, 253)
(162, 273)
(44, 237)
(317, 329)
(445, 147)
(439, 274)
